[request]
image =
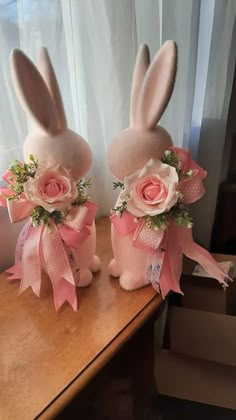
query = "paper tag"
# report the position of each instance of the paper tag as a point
(153, 267)
(73, 263)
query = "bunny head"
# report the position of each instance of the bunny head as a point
(39, 95)
(152, 87)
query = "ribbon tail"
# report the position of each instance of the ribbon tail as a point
(65, 291)
(202, 256)
(20, 242)
(172, 265)
(167, 279)
(60, 270)
(31, 264)
(15, 272)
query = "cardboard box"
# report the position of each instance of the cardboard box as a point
(197, 380)
(196, 360)
(204, 335)
(205, 293)
(200, 363)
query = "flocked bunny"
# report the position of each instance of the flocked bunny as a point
(151, 91)
(149, 240)
(52, 142)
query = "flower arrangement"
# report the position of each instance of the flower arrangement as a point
(156, 192)
(49, 187)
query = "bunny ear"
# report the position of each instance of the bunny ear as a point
(32, 92)
(46, 69)
(157, 86)
(140, 69)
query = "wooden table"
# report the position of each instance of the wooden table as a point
(46, 358)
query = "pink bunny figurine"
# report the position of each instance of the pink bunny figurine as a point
(151, 91)
(151, 226)
(52, 143)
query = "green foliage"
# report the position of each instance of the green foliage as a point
(21, 172)
(83, 196)
(119, 210)
(170, 158)
(118, 184)
(39, 215)
(159, 221)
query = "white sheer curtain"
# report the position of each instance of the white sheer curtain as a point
(93, 45)
(216, 57)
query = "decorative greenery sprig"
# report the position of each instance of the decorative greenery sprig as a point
(118, 184)
(21, 172)
(119, 210)
(83, 196)
(170, 158)
(39, 215)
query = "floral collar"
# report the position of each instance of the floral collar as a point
(160, 191)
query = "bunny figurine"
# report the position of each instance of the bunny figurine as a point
(157, 180)
(151, 91)
(58, 159)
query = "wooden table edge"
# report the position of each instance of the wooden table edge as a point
(106, 354)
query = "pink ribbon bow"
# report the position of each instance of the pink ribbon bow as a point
(192, 187)
(166, 249)
(48, 248)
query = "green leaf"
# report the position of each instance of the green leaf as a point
(118, 184)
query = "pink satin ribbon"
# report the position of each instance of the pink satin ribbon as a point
(48, 248)
(165, 249)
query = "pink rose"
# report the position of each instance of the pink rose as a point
(52, 187)
(151, 190)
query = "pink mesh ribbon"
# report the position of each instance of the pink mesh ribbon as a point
(48, 248)
(165, 249)
(191, 187)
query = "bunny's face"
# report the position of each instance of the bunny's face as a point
(151, 91)
(39, 95)
(77, 156)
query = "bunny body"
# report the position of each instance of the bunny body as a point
(51, 140)
(151, 90)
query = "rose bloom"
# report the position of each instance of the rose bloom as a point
(52, 187)
(151, 190)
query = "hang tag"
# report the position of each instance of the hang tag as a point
(153, 266)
